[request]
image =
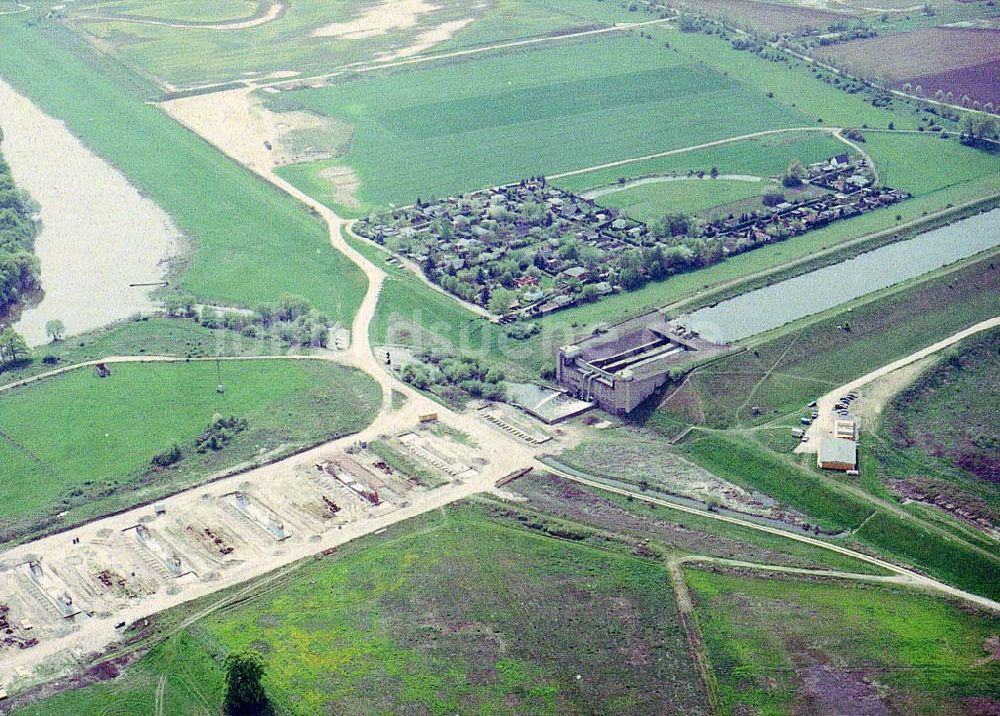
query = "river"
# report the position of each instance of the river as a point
(773, 306)
(98, 235)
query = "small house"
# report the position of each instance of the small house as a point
(837, 454)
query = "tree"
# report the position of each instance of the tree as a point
(12, 347)
(56, 329)
(794, 173)
(244, 690)
(500, 300)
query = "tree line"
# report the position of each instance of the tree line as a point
(19, 266)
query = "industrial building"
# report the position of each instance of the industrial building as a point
(620, 367)
(837, 454)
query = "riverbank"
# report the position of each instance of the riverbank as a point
(100, 238)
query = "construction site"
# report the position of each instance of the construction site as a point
(92, 582)
(620, 367)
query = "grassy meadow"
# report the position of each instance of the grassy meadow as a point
(780, 646)
(449, 613)
(250, 242)
(85, 443)
(649, 202)
(935, 548)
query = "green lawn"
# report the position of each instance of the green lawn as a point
(444, 129)
(779, 646)
(450, 613)
(90, 440)
(252, 243)
(648, 202)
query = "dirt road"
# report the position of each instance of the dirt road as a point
(913, 578)
(823, 426)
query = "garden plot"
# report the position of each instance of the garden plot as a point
(259, 514)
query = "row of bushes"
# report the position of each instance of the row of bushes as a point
(291, 319)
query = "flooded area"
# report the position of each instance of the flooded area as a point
(98, 235)
(825, 288)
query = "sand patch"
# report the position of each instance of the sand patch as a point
(99, 234)
(378, 20)
(237, 122)
(435, 36)
(284, 74)
(344, 184)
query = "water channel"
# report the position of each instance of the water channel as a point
(773, 306)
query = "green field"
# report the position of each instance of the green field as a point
(649, 202)
(180, 10)
(761, 156)
(572, 511)
(779, 646)
(178, 337)
(251, 242)
(924, 163)
(185, 57)
(450, 613)
(88, 441)
(445, 129)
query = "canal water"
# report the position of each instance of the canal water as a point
(814, 292)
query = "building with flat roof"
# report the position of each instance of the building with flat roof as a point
(623, 365)
(837, 454)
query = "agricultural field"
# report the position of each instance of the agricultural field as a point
(293, 38)
(957, 62)
(453, 612)
(781, 646)
(442, 130)
(90, 441)
(764, 17)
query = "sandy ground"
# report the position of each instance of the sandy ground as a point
(237, 122)
(344, 184)
(896, 375)
(378, 20)
(98, 233)
(429, 38)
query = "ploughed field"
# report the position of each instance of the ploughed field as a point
(959, 61)
(84, 444)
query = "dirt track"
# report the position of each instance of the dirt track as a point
(823, 426)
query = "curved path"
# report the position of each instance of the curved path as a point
(823, 426)
(21, 7)
(262, 17)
